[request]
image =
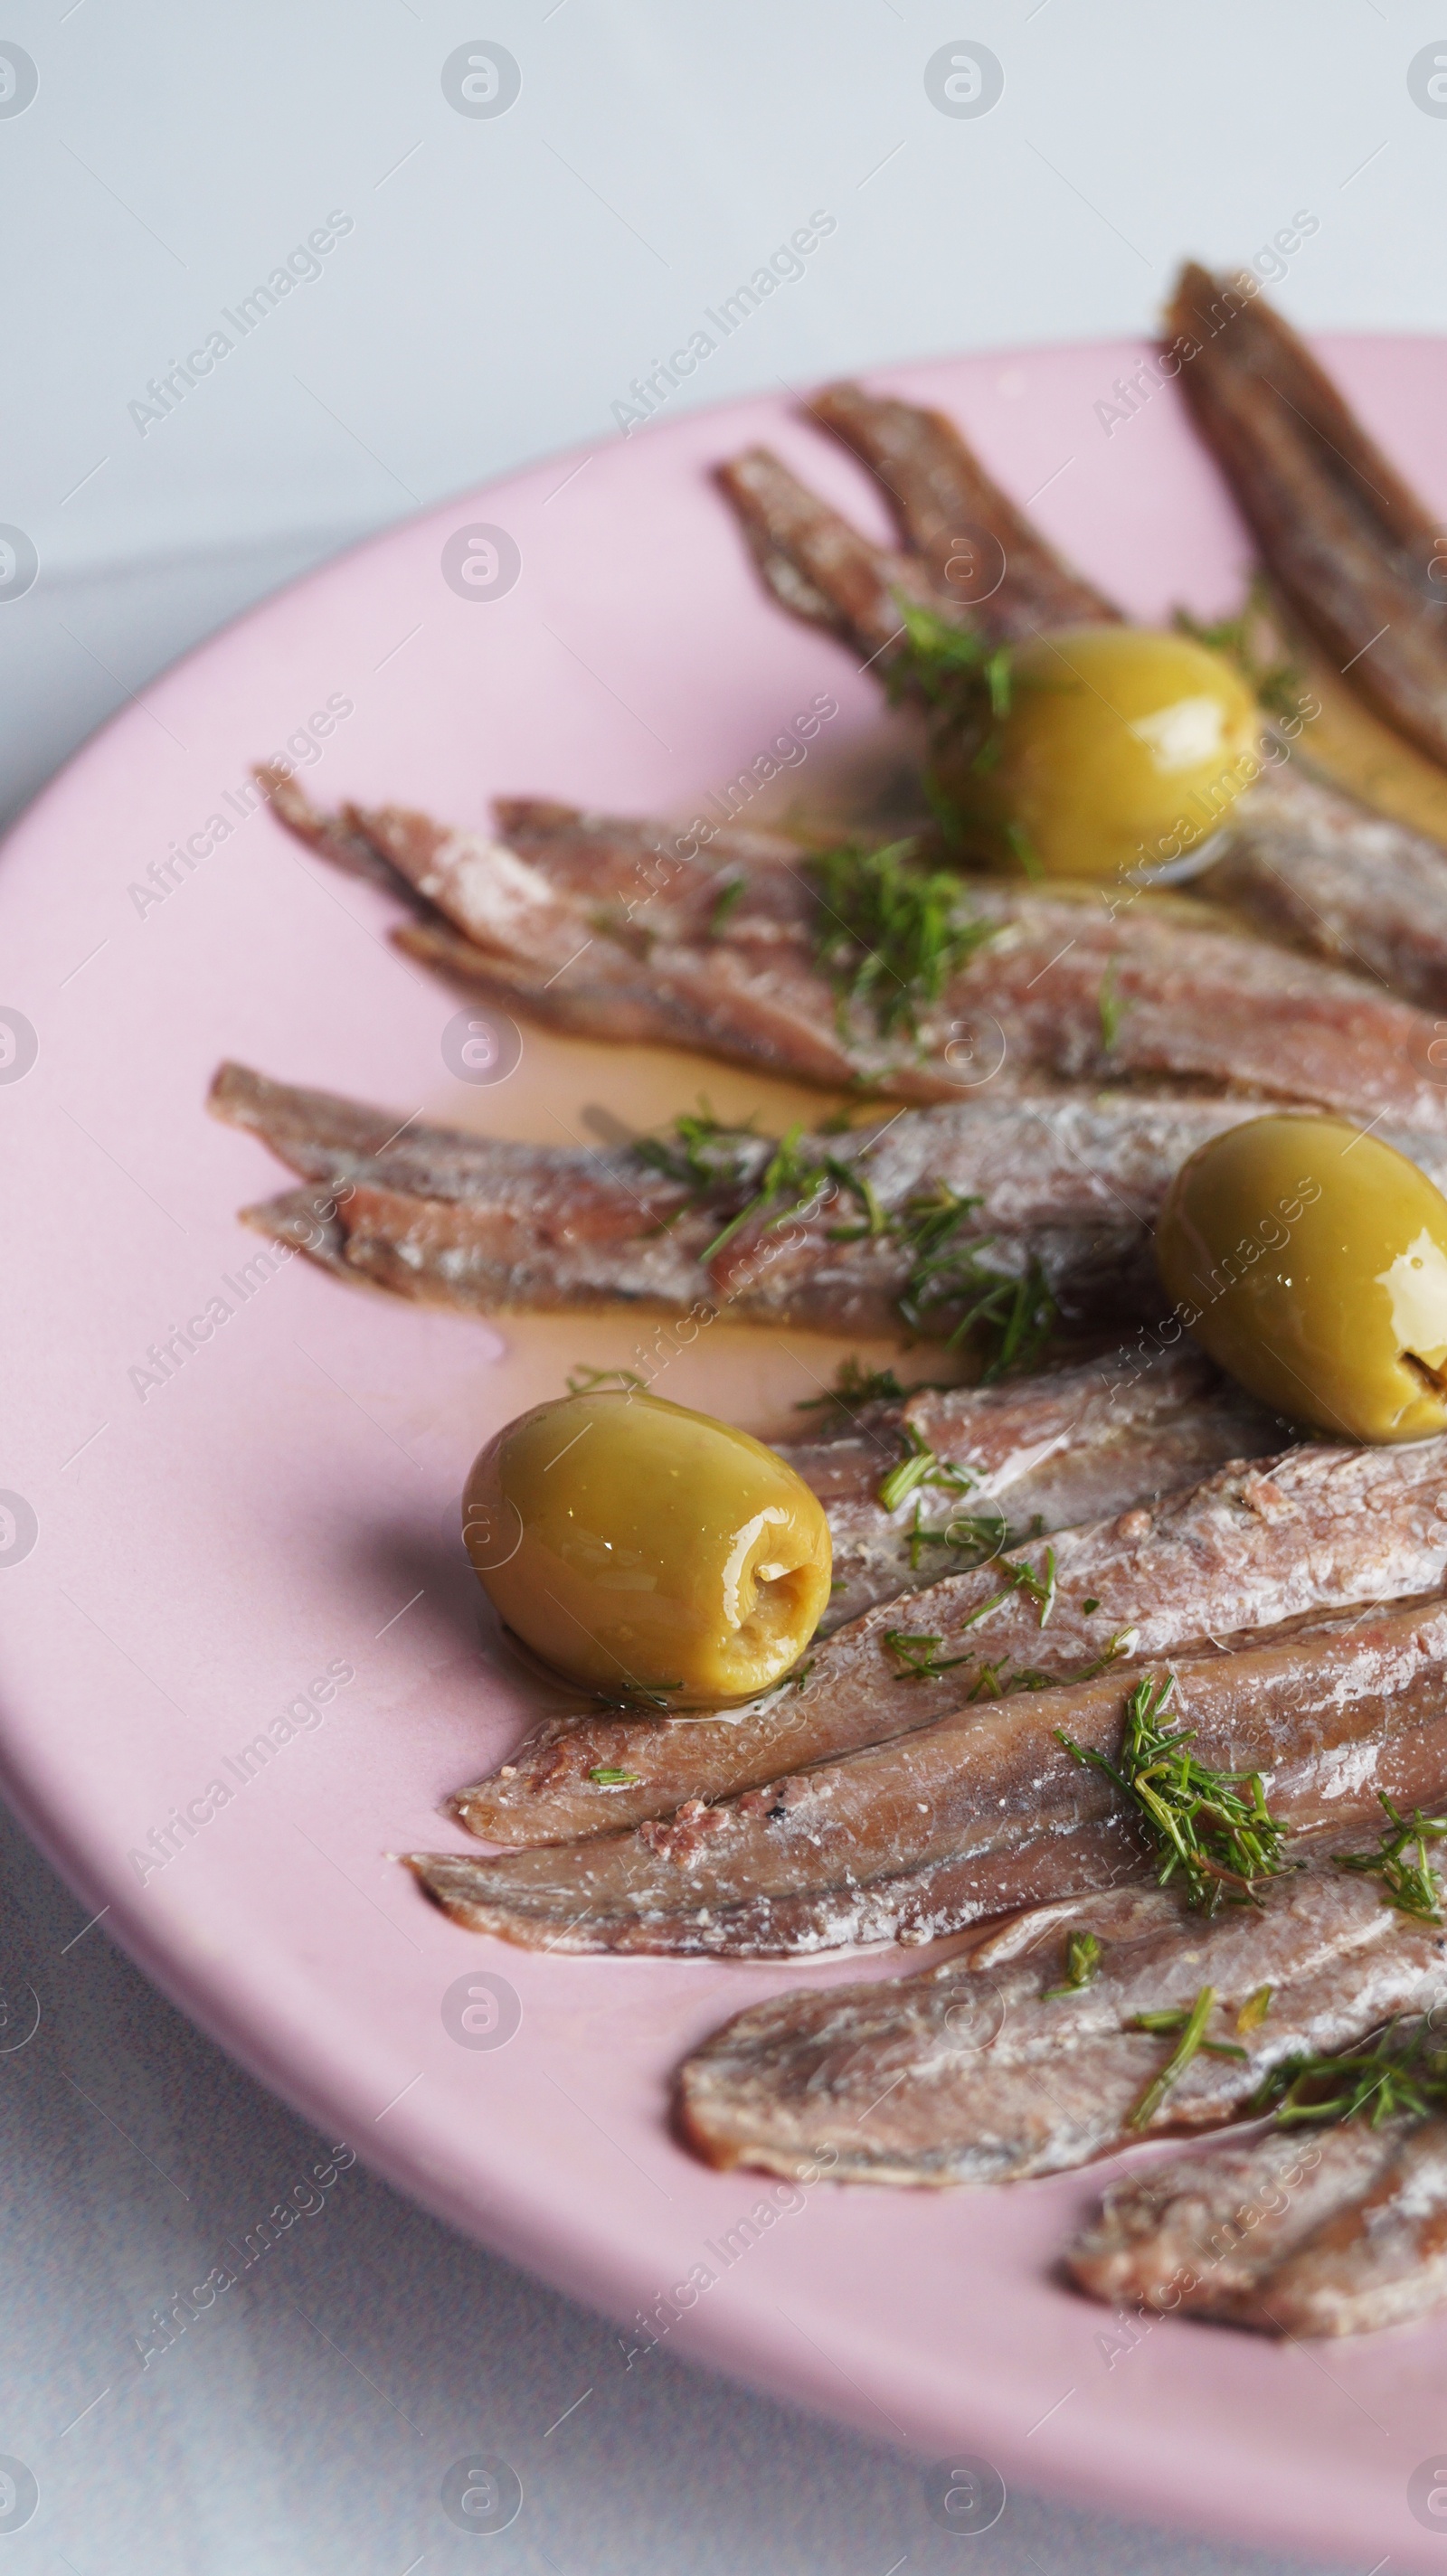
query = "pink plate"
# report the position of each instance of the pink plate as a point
(203, 1521)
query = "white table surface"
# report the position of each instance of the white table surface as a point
(503, 281)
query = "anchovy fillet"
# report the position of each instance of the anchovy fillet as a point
(982, 1811)
(977, 2072)
(602, 928)
(944, 500)
(1070, 1184)
(1344, 537)
(1302, 2232)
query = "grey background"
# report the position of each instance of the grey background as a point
(504, 280)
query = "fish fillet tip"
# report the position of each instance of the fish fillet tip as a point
(428, 1870)
(497, 1922)
(473, 1816)
(232, 1084)
(721, 2153)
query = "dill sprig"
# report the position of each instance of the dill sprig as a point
(1206, 1830)
(854, 1386)
(1251, 639)
(996, 1681)
(966, 687)
(948, 1282)
(1411, 1885)
(921, 1662)
(917, 1657)
(947, 1271)
(1041, 1587)
(701, 1154)
(723, 904)
(788, 1181)
(1082, 1959)
(965, 683)
(1110, 1007)
(1385, 2076)
(611, 1775)
(977, 1538)
(892, 933)
(1191, 2042)
(919, 1466)
(710, 1160)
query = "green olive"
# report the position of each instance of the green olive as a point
(1122, 749)
(647, 1551)
(1311, 1260)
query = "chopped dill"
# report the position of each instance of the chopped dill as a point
(951, 667)
(1013, 1576)
(1252, 640)
(1165, 2024)
(950, 1291)
(1192, 2028)
(976, 1538)
(1255, 2009)
(967, 687)
(724, 903)
(1411, 1885)
(919, 1466)
(794, 1179)
(990, 1684)
(1082, 1959)
(892, 933)
(789, 1180)
(996, 1681)
(1018, 1314)
(1090, 1606)
(876, 1218)
(611, 1775)
(921, 1663)
(852, 1386)
(918, 1658)
(700, 1153)
(1110, 1006)
(1041, 1587)
(1386, 2076)
(1204, 1827)
(708, 1160)
(583, 1380)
